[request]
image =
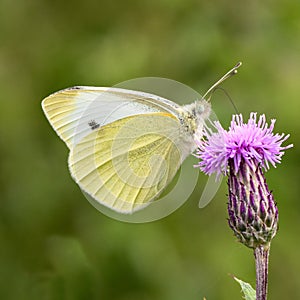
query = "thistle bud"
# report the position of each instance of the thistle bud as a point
(253, 214)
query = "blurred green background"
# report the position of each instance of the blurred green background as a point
(53, 243)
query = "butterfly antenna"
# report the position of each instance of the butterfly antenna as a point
(228, 96)
(230, 73)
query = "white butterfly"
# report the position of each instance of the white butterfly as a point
(125, 146)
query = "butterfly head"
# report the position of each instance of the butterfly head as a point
(202, 109)
(194, 115)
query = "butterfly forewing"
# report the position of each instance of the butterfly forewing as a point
(73, 112)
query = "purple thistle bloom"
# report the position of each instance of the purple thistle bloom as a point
(242, 153)
(253, 142)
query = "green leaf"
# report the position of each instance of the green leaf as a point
(247, 289)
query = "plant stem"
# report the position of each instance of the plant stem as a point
(261, 254)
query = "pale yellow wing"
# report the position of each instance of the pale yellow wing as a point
(126, 164)
(74, 111)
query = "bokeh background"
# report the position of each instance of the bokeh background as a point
(53, 243)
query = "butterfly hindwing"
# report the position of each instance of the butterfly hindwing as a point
(126, 164)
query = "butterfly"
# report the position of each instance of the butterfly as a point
(125, 145)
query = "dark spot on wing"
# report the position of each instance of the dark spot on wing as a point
(73, 88)
(93, 124)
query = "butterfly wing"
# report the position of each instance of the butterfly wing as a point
(126, 146)
(126, 164)
(74, 111)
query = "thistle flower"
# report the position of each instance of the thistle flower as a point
(243, 153)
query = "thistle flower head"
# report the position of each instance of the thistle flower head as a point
(242, 153)
(252, 142)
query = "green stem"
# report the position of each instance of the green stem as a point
(261, 254)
